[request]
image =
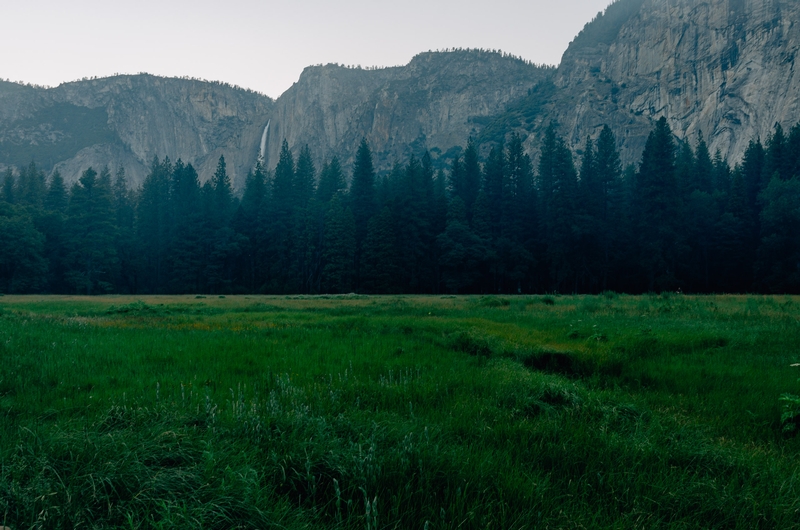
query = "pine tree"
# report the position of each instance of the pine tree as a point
(339, 249)
(281, 230)
(129, 264)
(753, 173)
(283, 182)
(657, 207)
(250, 221)
(777, 161)
(520, 220)
(190, 230)
(609, 216)
(380, 260)
(22, 264)
(223, 194)
(734, 244)
(558, 194)
(471, 179)
(588, 210)
(362, 189)
(703, 168)
(462, 253)
(7, 193)
(721, 174)
(305, 176)
(53, 228)
(303, 225)
(793, 151)
(56, 199)
(31, 187)
(331, 181)
(92, 257)
(224, 244)
(778, 263)
(154, 224)
(362, 198)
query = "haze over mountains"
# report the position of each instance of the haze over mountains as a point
(724, 68)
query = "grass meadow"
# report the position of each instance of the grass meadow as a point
(371, 413)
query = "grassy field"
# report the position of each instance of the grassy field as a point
(398, 412)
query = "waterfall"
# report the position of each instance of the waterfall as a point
(263, 153)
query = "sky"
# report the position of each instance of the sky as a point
(264, 45)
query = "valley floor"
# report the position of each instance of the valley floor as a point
(391, 412)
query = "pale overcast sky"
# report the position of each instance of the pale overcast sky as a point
(264, 45)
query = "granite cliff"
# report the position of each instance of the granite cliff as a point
(724, 68)
(128, 120)
(434, 103)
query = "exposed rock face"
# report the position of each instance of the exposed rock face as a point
(434, 103)
(726, 68)
(128, 120)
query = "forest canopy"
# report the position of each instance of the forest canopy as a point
(682, 219)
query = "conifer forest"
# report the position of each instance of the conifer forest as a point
(682, 219)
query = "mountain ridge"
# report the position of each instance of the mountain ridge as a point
(725, 69)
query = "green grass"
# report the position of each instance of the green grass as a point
(374, 413)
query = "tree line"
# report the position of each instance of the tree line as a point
(680, 220)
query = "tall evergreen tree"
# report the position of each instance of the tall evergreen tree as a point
(362, 189)
(703, 168)
(7, 193)
(154, 224)
(22, 264)
(331, 181)
(56, 199)
(734, 243)
(53, 228)
(250, 221)
(777, 161)
(609, 215)
(31, 186)
(191, 230)
(462, 252)
(339, 249)
(521, 219)
(362, 198)
(224, 244)
(657, 206)
(281, 235)
(380, 260)
(471, 179)
(305, 177)
(778, 263)
(753, 173)
(92, 257)
(558, 193)
(124, 207)
(305, 229)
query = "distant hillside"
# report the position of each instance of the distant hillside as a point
(128, 120)
(724, 68)
(434, 103)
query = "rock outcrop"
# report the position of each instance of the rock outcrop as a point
(724, 68)
(434, 103)
(128, 120)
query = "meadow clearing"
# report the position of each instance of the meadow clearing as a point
(399, 412)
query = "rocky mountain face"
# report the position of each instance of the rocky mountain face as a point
(724, 68)
(434, 103)
(128, 120)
